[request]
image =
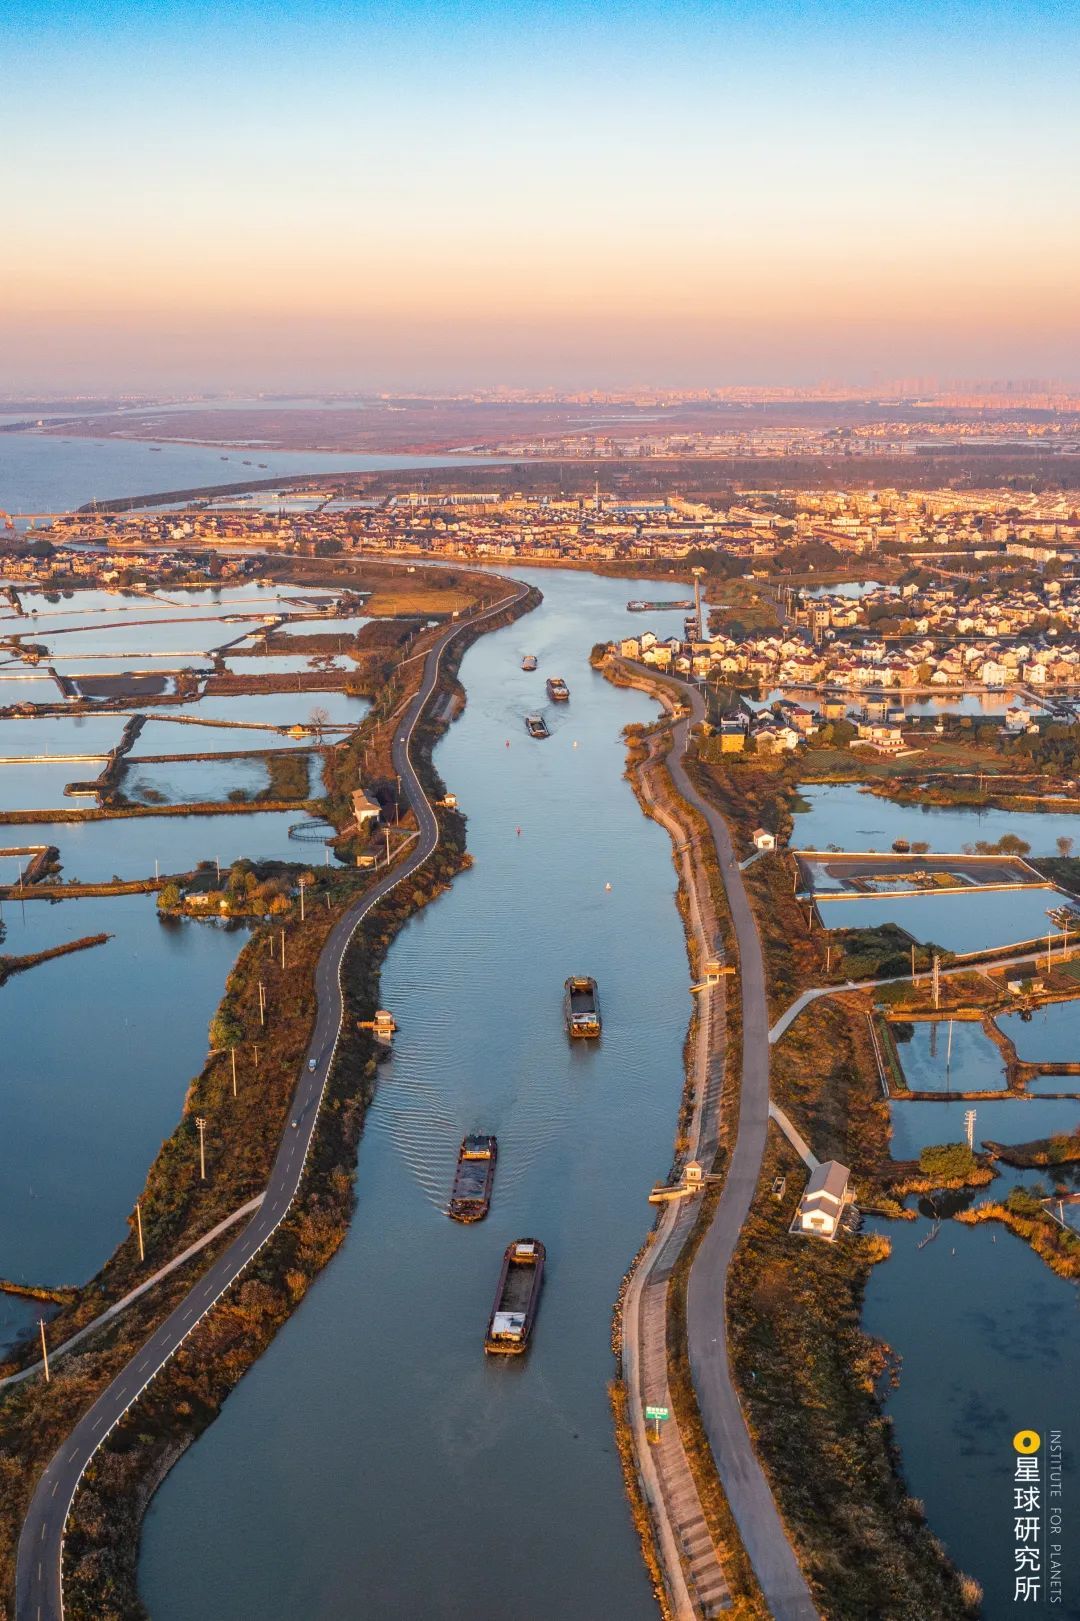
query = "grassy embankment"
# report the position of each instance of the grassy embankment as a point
(242, 1138)
(648, 775)
(18, 965)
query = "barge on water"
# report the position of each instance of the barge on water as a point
(581, 1005)
(529, 662)
(471, 1195)
(557, 690)
(638, 607)
(516, 1298)
(536, 726)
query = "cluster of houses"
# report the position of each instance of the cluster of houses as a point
(790, 659)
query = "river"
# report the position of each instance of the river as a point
(373, 1461)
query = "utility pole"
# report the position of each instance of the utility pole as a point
(387, 832)
(937, 980)
(138, 1229)
(283, 948)
(913, 963)
(256, 1056)
(301, 900)
(201, 1126)
(44, 1348)
(232, 1055)
(262, 1003)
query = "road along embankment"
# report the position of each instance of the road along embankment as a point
(88, 1556)
(683, 1516)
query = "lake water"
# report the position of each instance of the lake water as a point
(502, 1481)
(45, 473)
(989, 1342)
(268, 709)
(1050, 1035)
(950, 1056)
(979, 921)
(841, 814)
(99, 1048)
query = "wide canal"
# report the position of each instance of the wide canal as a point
(374, 1462)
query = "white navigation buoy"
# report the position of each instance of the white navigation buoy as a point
(575, 742)
(607, 886)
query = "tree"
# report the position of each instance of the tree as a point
(225, 1028)
(319, 719)
(1064, 846)
(169, 898)
(949, 1161)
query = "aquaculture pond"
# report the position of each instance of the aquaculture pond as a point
(989, 1345)
(99, 1047)
(277, 708)
(66, 734)
(172, 737)
(920, 1125)
(948, 1055)
(128, 847)
(1046, 1035)
(841, 814)
(195, 782)
(977, 921)
(41, 787)
(285, 663)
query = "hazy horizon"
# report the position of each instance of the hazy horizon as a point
(334, 196)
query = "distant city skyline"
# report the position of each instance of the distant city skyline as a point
(438, 194)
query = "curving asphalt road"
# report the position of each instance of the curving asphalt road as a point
(760, 1526)
(38, 1581)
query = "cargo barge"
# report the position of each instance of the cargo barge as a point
(470, 1198)
(581, 1005)
(536, 726)
(557, 690)
(529, 662)
(516, 1298)
(638, 607)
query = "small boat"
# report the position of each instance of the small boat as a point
(471, 1194)
(536, 726)
(529, 662)
(516, 1298)
(581, 1005)
(557, 690)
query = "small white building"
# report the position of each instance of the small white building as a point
(823, 1203)
(365, 810)
(763, 840)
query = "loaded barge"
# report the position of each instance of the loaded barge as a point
(581, 1005)
(536, 726)
(557, 690)
(529, 662)
(516, 1298)
(471, 1195)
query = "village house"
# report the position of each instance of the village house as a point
(822, 1204)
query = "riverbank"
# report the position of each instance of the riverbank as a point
(685, 1522)
(245, 1129)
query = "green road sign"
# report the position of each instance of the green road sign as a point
(657, 1412)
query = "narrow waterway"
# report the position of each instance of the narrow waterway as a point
(374, 1462)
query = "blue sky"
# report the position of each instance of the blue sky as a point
(439, 192)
